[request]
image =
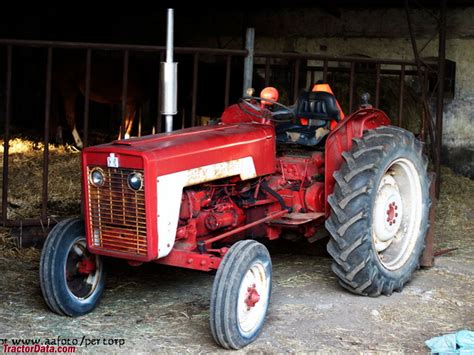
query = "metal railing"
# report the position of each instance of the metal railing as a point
(50, 47)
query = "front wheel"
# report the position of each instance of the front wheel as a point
(72, 279)
(241, 294)
(379, 212)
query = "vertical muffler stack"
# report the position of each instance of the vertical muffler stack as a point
(169, 77)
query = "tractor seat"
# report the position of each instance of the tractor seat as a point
(317, 107)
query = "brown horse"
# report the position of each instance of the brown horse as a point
(105, 88)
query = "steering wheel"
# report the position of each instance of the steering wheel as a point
(247, 105)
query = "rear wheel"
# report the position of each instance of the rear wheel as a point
(379, 212)
(241, 295)
(72, 279)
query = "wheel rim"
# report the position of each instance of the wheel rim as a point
(82, 270)
(397, 214)
(253, 298)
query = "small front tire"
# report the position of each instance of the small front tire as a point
(241, 295)
(72, 279)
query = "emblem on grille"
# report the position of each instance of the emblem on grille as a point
(112, 161)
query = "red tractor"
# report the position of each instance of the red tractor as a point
(199, 198)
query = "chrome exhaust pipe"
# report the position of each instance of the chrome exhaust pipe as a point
(169, 77)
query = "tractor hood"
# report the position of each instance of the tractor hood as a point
(191, 148)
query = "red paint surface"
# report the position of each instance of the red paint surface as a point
(340, 140)
(191, 148)
(191, 260)
(252, 297)
(86, 265)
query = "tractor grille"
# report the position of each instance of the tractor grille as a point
(117, 214)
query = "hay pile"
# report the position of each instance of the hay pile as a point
(454, 211)
(10, 251)
(25, 179)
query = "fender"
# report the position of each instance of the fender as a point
(340, 141)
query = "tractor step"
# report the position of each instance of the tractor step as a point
(296, 219)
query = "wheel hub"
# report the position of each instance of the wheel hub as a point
(396, 217)
(86, 266)
(82, 271)
(252, 297)
(387, 213)
(391, 212)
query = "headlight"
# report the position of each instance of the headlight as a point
(96, 177)
(135, 181)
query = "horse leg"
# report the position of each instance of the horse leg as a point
(128, 120)
(129, 123)
(139, 122)
(70, 108)
(55, 127)
(59, 135)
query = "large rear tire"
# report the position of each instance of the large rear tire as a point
(241, 294)
(72, 279)
(379, 212)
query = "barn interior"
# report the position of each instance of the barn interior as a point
(414, 58)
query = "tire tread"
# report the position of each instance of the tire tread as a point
(355, 263)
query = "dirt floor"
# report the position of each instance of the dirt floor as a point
(162, 309)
